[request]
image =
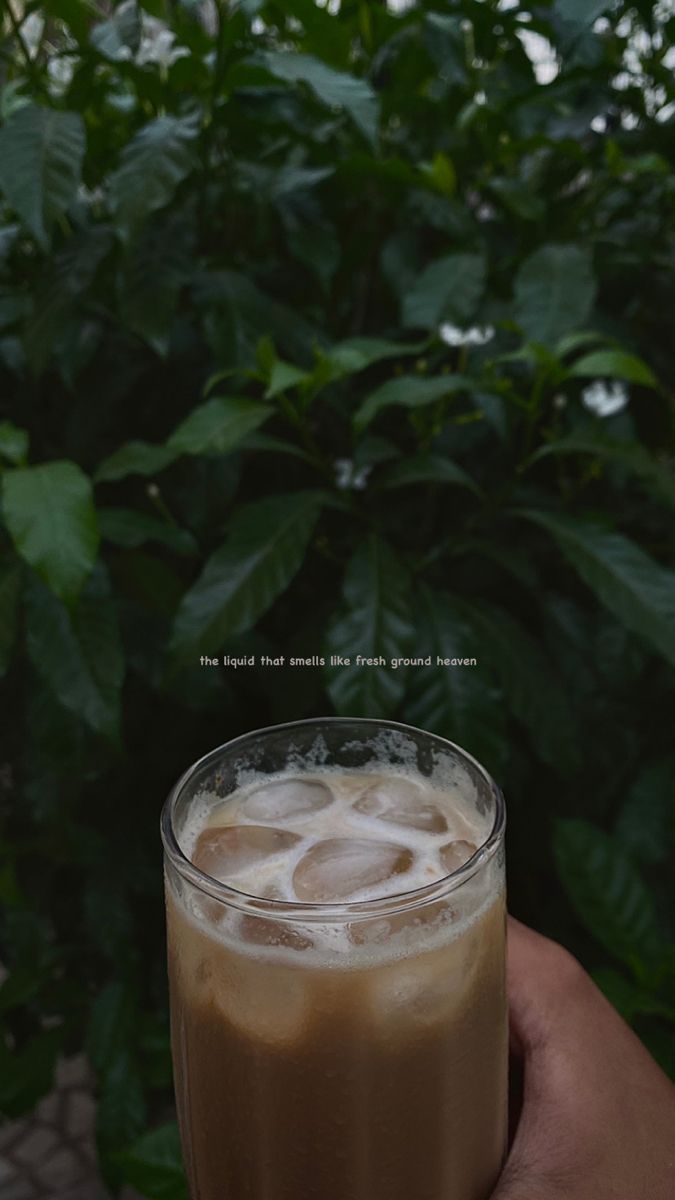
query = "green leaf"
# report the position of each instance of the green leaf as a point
(456, 702)
(121, 1111)
(425, 468)
(10, 590)
(518, 197)
(317, 247)
(408, 391)
(13, 443)
(238, 314)
(275, 445)
(153, 272)
(49, 512)
(376, 624)
(26, 1075)
(21, 985)
(135, 458)
(581, 12)
(577, 341)
(218, 425)
(152, 165)
(97, 630)
(606, 891)
(494, 410)
(630, 1001)
(109, 1042)
(531, 690)
(150, 584)
(355, 354)
(440, 173)
(153, 1165)
(447, 290)
(638, 591)
(631, 456)
(127, 527)
(13, 306)
(78, 657)
(613, 364)
(119, 37)
(61, 290)
(646, 820)
(282, 376)
(265, 547)
(110, 1026)
(554, 292)
(334, 88)
(41, 153)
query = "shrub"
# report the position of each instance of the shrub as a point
(323, 334)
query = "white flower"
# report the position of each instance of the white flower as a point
(604, 399)
(477, 335)
(157, 44)
(31, 33)
(347, 479)
(90, 195)
(61, 70)
(208, 14)
(541, 54)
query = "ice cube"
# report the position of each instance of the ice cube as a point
(225, 851)
(269, 1005)
(339, 868)
(265, 931)
(377, 930)
(455, 854)
(402, 802)
(420, 990)
(286, 798)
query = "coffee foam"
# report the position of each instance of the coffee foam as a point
(446, 788)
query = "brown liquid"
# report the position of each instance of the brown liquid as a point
(380, 1079)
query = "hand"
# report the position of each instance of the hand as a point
(598, 1115)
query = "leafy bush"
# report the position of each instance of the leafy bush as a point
(328, 334)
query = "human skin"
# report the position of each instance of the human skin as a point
(598, 1115)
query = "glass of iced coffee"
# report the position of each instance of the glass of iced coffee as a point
(336, 930)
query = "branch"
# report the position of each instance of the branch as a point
(31, 66)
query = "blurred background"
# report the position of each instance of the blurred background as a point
(324, 328)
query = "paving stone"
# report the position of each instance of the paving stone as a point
(36, 1145)
(6, 1172)
(80, 1114)
(18, 1189)
(89, 1191)
(72, 1072)
(48, 1108)
(12, 1133)
(62, 1169)
(51, 1155)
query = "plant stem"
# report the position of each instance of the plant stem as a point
(31, 67)
(210, 111)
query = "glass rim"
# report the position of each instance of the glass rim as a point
(331, 910)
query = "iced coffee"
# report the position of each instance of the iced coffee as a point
(335, 906)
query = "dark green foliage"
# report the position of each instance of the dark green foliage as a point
(302, 320)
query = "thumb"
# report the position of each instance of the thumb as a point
(538, 972)
(587, 1084)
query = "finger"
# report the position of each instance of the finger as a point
(532, 969)
(547, 987)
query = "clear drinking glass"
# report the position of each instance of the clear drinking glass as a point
(342, 1051)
